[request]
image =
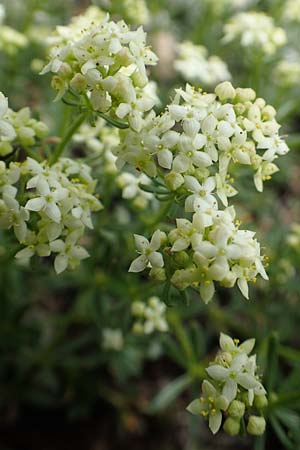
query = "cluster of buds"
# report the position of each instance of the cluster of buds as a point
(149, 316)
(48, 208)
(18, 128)
(108, 61)
(234, 391)
(256, 31)
(195, 66)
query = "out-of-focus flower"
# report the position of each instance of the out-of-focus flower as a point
(112, 339)
(255, 30)
(194, 65)
(149, 316)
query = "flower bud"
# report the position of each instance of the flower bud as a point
(225, 91)
(78, 83)
(158, 274)
(137, 308)
(40, 129)
(181, 258)
(236, 409)
(260, 401)
(245, 95)
(256, 425)
(138, 328)
(174, 180)
(232, 426)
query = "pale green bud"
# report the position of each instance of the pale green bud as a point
(181, 258)
(40, 129)
(225, 91)
(5, 148)
(232, 426)
(245, 95)
(138, 328)
(78, 83)
(158, 274)
(174, 180)
(236, 409)
(256, 425)
(260, 401)
(137, 308)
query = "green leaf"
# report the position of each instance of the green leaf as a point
(169, 394)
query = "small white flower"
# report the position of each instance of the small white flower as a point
(149, 253)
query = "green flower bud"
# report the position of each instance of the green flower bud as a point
(78, 83)
(138, 328)
(260, 401)
(245, 95)
(232, 426)
(137, 308)
(236, 409)
(40, 129)
(256, 425)
(181, 258)
(5, 148)
(158, 274)
(174, 180)
(225, 91)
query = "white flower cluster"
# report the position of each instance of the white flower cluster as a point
(291, 10)
(212, 248)
(11, 41)
(131, 190)
(255, 30)
(194, 65)
(234, 388)
(48, 209)
(18, 128)
(192, 144)
(150, 316)
(108, 60)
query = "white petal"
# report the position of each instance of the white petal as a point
(141, 242)
(60, 263)
(229, 390)
(217, 372)
(35, 204)
(215, 421)
(138, 264)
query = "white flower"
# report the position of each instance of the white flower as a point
(151, 316)
(202, 197)
(149, 253)
(69, 251)
(210, 404)
(7, 132)
(233, 376)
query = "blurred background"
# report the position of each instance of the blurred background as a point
(72, 372)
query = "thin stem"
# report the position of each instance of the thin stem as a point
(68, 136)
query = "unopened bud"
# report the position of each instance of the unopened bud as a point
(232, 426)
(256, 425)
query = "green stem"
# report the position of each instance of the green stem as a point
(32, 154)
(68, 136)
